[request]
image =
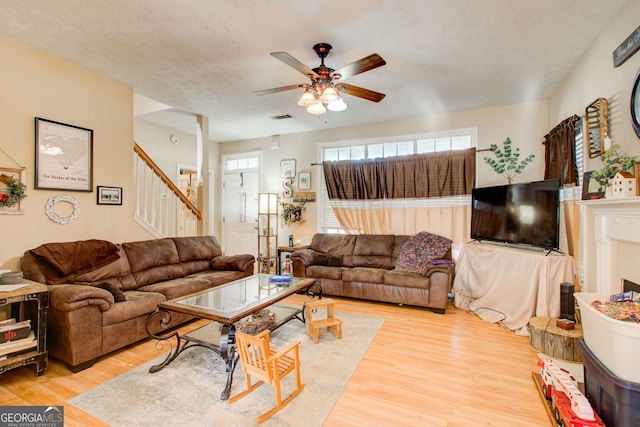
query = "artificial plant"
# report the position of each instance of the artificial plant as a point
(507, 162)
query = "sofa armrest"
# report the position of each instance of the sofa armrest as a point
(72, 297)
(240, 262)
(303, 256)
(429, 269)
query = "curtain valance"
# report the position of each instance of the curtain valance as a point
(441, 174)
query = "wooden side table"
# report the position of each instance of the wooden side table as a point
(553, 341)
(283, 249)
(29, 302)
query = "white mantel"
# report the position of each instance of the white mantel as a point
(607, 225)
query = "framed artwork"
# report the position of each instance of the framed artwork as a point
(304, 180)
(109, 195)
(64, 157)
(287, 168)
(591, 188)
(13, 184)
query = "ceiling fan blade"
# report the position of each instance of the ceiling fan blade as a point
(365, 64)
(294, 63)
(279, 89)
(360, 92)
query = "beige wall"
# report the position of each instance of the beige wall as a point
(526, 125)
(35, 84)
(154, 140)
(594, 76)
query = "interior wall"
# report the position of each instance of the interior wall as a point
(526, 124)
(36, 84)
(154, 140)
(594, 76)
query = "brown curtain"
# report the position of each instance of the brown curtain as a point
(560, 152)
(443, 174)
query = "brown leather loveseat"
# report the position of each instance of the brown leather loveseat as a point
(101, 293)
(367, 267)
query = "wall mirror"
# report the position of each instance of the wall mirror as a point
(597, 120)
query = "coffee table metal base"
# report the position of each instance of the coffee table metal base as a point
(218, 337)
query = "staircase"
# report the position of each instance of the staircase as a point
(161, 207)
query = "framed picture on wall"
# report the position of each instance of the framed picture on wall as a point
(109, 195)
(304, 180)
(287, 168)
(591, 188)
(64, 157)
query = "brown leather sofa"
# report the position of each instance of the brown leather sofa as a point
(364, 266)
(101, 293)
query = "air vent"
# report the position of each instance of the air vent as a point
(282, 117)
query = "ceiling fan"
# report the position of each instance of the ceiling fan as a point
(326, 84)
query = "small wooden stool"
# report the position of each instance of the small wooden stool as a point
(332, 323)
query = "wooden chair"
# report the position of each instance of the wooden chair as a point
(268, 365)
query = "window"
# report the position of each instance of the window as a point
(388, 147)
(241, 163)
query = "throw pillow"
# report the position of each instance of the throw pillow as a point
(420, 249)
(118, 295)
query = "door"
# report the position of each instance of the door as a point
(240, 209)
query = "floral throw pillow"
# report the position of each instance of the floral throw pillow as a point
(420, 249)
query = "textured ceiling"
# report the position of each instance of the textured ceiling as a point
(208, 56)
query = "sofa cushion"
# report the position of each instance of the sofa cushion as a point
(364, 274)
(327, 259)
(62, 261)
(324, 272)
(371, 261)
(374, 245)
(137, 304)
(177, 287)
(151, 253)
(197, 248)
(153, 261)
(406, 279)
(334, 244)
(420, 249)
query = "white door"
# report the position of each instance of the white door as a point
(240, 212)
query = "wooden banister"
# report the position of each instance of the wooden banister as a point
(165, 179)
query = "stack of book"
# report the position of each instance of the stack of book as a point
(15, 337)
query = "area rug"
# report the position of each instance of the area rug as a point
(187, 391)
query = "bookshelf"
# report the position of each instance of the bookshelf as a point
(28, 303)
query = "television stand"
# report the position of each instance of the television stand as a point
(508, 285)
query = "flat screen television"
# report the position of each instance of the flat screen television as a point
(521, 214)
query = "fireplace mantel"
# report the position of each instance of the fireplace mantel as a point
(606, 224)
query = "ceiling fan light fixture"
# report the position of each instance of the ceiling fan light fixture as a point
(329, 94)
(316, 108)
(307, 99)
(338, 105)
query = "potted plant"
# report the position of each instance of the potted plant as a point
(507, 162)
(614, 162)
(291, 213)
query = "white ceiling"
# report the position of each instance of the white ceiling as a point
(208, 56)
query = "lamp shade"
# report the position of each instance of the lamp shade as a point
(307, 99)
(329, 94)
(316, 108)
(338, 105)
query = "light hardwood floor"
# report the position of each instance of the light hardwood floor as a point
(422, 369)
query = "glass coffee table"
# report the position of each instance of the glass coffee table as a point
(225, 305)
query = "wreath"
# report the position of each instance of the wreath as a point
(14, 193)
(51, 212)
